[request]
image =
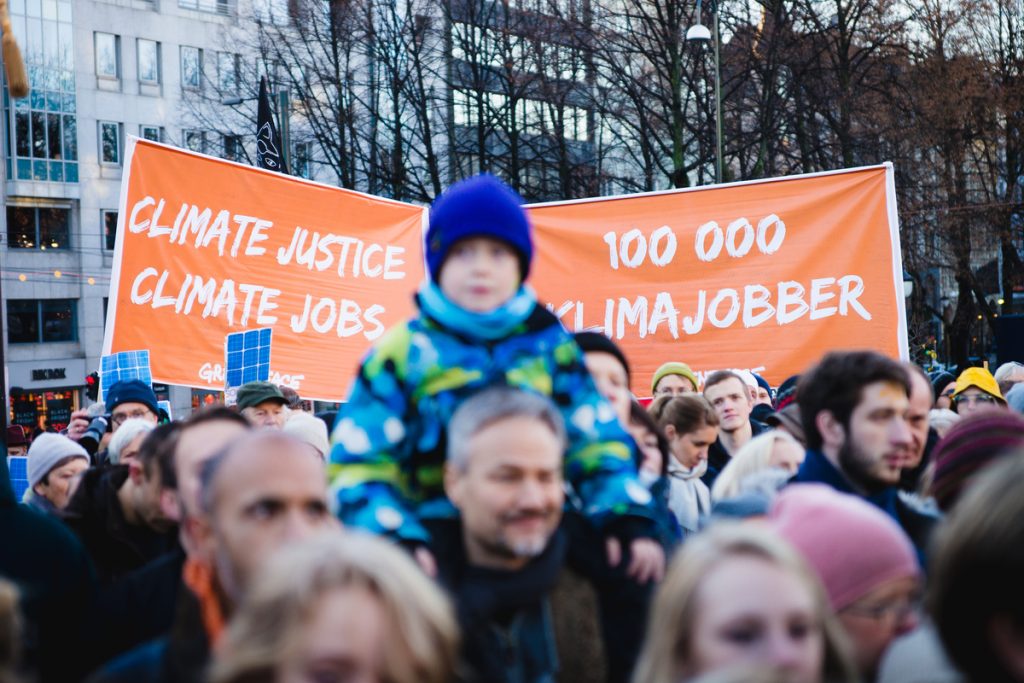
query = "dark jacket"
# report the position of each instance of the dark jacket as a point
(505, 616)
(180, 657)
(718, 457)
(916, 521)
(622, 603)
(138, 607)
(94, 513)
(55, 580)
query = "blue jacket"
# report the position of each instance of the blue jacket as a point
(389, 439)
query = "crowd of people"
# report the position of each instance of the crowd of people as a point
(493, 505)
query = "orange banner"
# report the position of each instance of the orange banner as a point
(764, 275)
(206, 247)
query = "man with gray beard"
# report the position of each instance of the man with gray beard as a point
(502, 557)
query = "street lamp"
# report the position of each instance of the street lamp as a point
(699, 32)
(908, 285)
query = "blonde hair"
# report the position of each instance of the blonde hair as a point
(666, 651)
(422, 646)
(754, 456)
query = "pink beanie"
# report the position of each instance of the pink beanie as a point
(852, 545)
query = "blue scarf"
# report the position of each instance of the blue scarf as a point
(496, 324)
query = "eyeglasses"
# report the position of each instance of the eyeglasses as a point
(977, 398)
(895, 611)
(119, 418)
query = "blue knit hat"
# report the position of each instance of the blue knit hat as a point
(131, 391)
(481, 206)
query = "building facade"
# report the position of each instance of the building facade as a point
(99, 72)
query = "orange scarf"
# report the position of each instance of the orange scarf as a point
(199, 578)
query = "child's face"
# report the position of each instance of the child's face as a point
(480, 274)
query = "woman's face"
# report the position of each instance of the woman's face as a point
(879, 617)
(62, 482)
(692, 447)
(751, 611)
(343, 642)
(787, 455)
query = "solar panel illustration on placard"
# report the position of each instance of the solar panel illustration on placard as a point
(247, 357)
(122, 366)
(17, 465)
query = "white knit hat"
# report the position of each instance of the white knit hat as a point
(310, 429)
(46, 451)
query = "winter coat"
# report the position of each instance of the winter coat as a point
(505, 616)
(55, 581)
(94, 513)
(180, 657)
(389, 440)
(138, 607)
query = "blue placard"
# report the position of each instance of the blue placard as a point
(122, 366)
(247, 357)
(17, 465)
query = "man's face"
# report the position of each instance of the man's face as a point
(973, 400)
(150, 493)
(128, 410)
(196, 445)
(264, 498)
(732, 403)
(480, 274)
(763, 396)
(877, 439)
(611, 380)
(510, 493)
(674, 385)
(917, 418)
(271, 414)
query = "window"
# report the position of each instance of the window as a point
(38, 227)
(31, 321)
(233, 148)
(110, 142)
(108, 58)
(300, 159)
(464, 105)
(227, 72)
(154, 133)
(191, 67)
(195, 140)
(271, 11)
(574, 124)
(109, 220)
(214, 6)
(149, 61)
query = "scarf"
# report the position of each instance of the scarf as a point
(688, 498)
(490, 326)
(199, 578)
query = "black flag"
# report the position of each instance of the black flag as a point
(268, 142)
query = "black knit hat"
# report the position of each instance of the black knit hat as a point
(597, 342)
(940, 380)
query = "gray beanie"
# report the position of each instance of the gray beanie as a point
(46, 451)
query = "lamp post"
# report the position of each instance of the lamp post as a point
(700, 32)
